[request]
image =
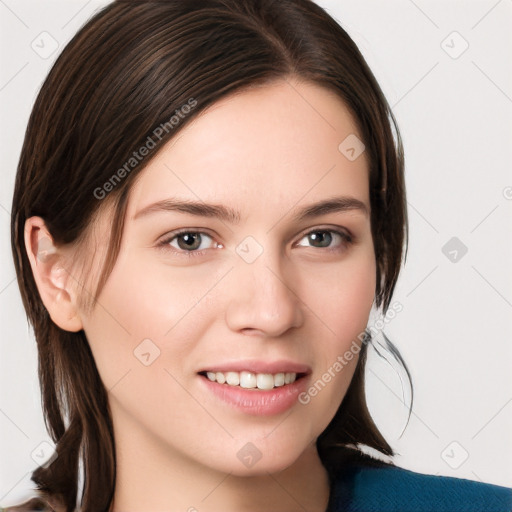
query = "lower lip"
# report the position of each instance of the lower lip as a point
(255, 401)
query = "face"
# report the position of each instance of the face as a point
(258, 285)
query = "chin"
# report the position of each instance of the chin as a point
(267, 455)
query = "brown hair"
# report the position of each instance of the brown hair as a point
(129, 70)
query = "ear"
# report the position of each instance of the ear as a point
(52, 278)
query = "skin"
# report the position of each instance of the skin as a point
(267, 153)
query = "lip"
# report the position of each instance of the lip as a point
(257, 402)
(258, 366)
(254, 401)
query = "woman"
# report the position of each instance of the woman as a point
(208, 204)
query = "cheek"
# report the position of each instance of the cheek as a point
(342, 295)
(342, 300)
(142, 310)
(143, 332)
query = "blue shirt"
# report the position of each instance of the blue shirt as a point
(388, 488)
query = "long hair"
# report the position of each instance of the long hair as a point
(121, 79)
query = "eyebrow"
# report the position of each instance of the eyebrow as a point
(201, 209)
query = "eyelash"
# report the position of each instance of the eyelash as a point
(164, 244)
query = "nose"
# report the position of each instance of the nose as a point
(262, 301)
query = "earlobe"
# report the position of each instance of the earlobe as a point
(51, 276)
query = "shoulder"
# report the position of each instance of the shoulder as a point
(388, 488)
(37, 504)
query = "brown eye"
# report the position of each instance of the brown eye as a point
(189, 242)
(320, 238)
(324, 238)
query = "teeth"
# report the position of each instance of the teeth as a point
(249, 380)
(232, 378)
(279, 379)
(264, 381)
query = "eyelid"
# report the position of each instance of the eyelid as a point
(334, 229)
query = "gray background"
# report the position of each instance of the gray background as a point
(454, 109)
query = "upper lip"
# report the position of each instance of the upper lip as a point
(258, 366)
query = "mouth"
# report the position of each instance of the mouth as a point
(253, 381)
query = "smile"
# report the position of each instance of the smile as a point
(251, 380)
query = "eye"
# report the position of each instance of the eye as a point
(194, 243)
(189, 242)
(324, 238)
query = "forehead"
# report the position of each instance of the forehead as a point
(260, 148)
